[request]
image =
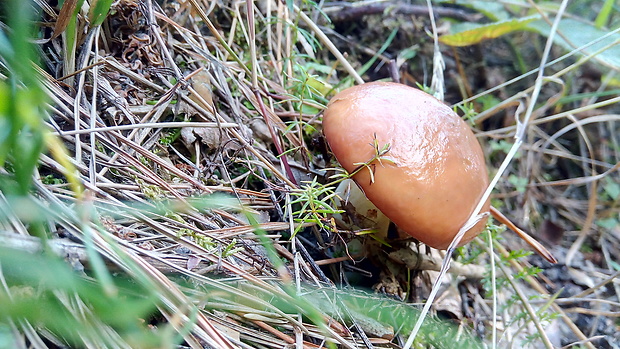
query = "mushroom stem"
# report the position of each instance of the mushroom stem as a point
(537, 246)
(360, 213)
(363, 214)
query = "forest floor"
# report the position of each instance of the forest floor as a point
(193, 189)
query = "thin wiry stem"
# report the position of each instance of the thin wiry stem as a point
(476, 214)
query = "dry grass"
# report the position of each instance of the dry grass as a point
(193, 125)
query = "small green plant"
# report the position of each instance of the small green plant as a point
(316, 200)
(488, 101)
(169, 137)
(501, 146)
(304, 126)
(468, 111)
(231, 248)
(316, 203)
(543, 316)
(150, 191)
(307, 91)
(52, 180)
(471, 253)
(200, 239)
(520, 183)
(380, 156)
(611, 189)
(425, 88)
(502, 281)
(303, 129)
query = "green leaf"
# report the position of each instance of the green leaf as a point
(36, 280)
(27, 148)
(494, 10)
(291, 6)
(520, 183)
(604, 14)
(488, 31)
(99, 11)
(581, 33)
(612, 189)
(374, 58)
(607, 223)
(614, 265)
(68, 11)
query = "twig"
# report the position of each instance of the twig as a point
(330, 46)
(353, 12)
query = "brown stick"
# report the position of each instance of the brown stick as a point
(537, 246)
(354, 13)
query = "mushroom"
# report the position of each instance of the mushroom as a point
(413, 157)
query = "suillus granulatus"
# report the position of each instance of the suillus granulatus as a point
(428, 172)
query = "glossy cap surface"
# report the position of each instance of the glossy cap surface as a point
(438, 172)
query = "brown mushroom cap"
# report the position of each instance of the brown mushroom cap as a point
(438, 173)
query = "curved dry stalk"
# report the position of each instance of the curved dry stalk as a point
(537, 246)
